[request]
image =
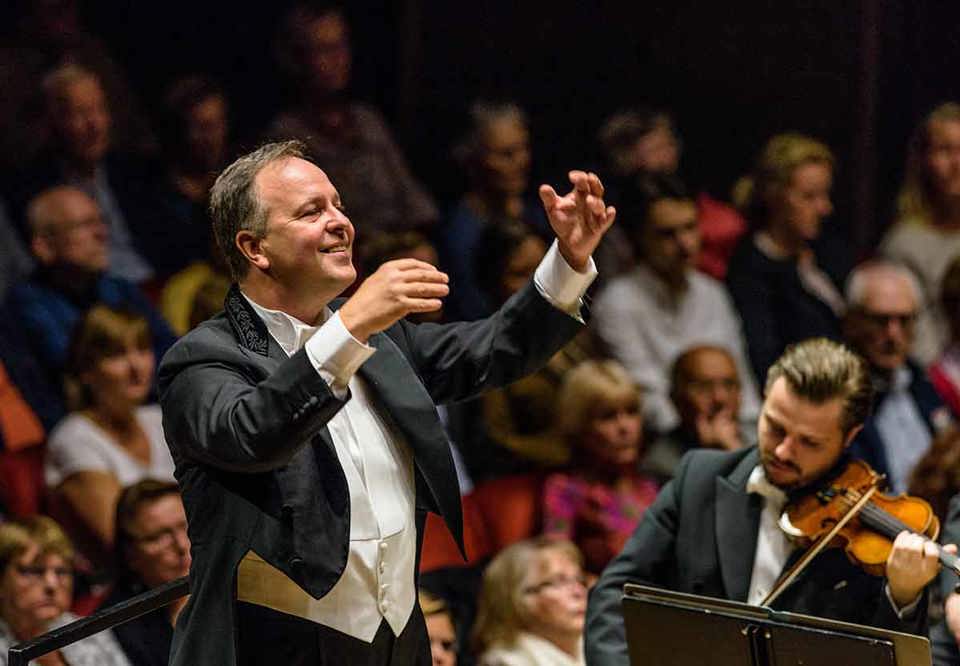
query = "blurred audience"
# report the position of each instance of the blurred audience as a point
(782, 284)
(599, 500)
(50, 33)
(882, 306)
(36, 591)
(926, 234)
(440, 629)
(643, 142)
(15, 261)
(532, 606)
(705, 389)
(81, 155)
(495, 155)
(69, 244)
(110, 439)
(351, 140)
(664, 306)
(386, 246)
(152, 548)
(936, 477)
(945, 372)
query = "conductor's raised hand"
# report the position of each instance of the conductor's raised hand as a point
(395, 290)
(580, 218)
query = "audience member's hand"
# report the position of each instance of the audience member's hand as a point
(395, 290)
(580, 218)
(720, 431)
(952, 615)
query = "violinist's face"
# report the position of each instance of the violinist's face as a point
(799, 440)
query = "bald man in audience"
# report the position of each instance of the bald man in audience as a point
(68, 240)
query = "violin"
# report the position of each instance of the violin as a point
(849, 512)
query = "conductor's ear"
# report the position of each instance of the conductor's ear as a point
(251, 246)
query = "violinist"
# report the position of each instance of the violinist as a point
(714, 530)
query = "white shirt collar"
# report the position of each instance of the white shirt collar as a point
(759, 485)
(289, 332)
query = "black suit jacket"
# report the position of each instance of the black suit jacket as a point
(700, 536)
(255, 462)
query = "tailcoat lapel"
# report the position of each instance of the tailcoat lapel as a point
(737, 520)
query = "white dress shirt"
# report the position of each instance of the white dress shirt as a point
(378, 580)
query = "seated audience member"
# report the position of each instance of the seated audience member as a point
(495, 155)
(926, 233)
(440, 629)
(39, 35)
(785, 288)
(36, 590)
(513, 430)
(152, 548)
(80, 156)
(882, 307)
(705, 390)
(945, 372)
(640, 142)
(69, 244)
(599, 501)
(387, 246)
(350, 139)
(15, 261)
(110, 439)
(936, 477)
(713, 530)
(532, 606)
(664, 306)
(195, 131)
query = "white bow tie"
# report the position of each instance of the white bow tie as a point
(757, 484)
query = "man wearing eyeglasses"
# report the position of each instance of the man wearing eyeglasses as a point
(883, 301)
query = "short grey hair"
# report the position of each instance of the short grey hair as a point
(483, 115)
(856, 286)
(235, 204)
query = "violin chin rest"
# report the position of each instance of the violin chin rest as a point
(788, 527)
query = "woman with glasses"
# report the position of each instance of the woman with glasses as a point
(110, 439)
(36, 589)
(599, 500)
(532, 606)
(152, 548)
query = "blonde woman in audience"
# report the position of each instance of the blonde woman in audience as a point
(785, 287)
(532, 606)
(110, 439)
(36, 589)
(926, 233)
(440, 629)
(599, 501)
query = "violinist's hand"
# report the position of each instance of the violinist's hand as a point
(911, 565)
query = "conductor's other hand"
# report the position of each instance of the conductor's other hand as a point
(580, 218)
(395, 290)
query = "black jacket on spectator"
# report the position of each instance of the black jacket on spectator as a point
(774, 306)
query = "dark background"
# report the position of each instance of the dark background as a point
(856, 73)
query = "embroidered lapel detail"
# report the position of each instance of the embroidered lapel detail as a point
(737, 520)
(250, 329)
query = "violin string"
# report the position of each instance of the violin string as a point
(876, 516)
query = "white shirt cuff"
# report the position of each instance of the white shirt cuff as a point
(560, 284)
(336, 354)
(907, 611)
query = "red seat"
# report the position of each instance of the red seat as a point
(511, 507)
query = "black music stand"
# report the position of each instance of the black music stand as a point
(667, 628)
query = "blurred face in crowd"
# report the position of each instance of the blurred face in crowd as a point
(943, 157)
(707, 385)
(881, 326)
(521, 265)
(122, 378)
(308, 244)
(505, 161)
(81, 118)
(615, 432)
(658, 151)
(160, 548)
(36, 590)
(71, 231)
(326, 53)
(443, 639)
(671, 239)
(207, 132)
(799, 440)
(800, 207)
(555, 593)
